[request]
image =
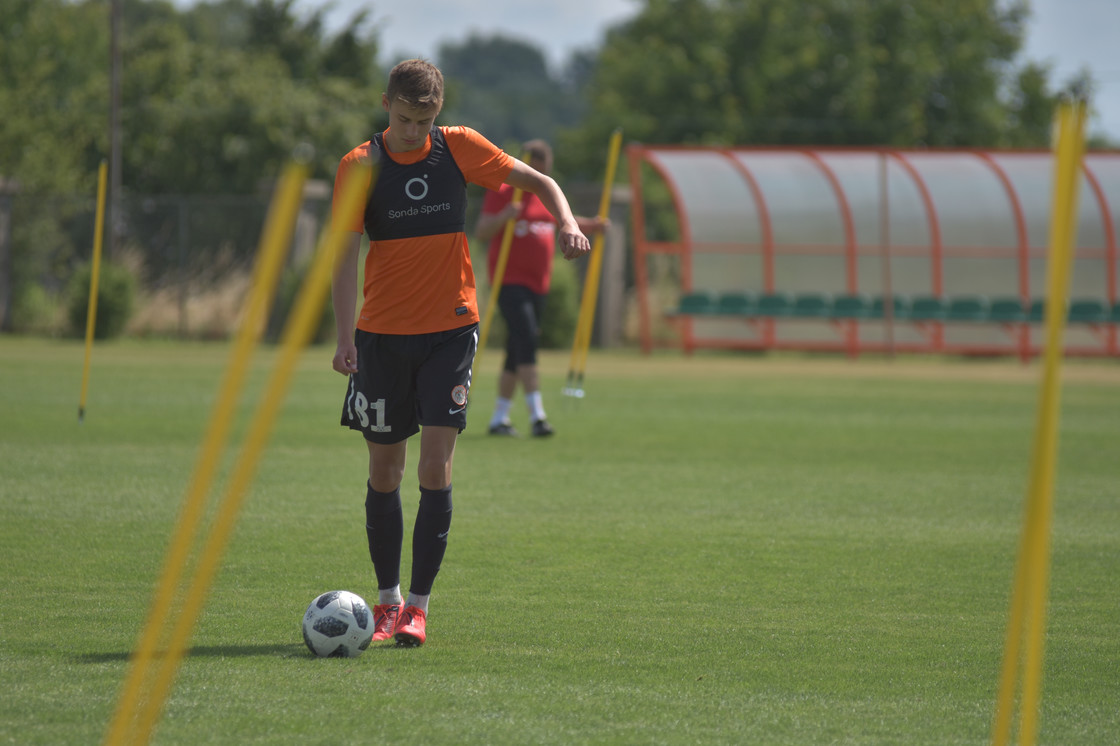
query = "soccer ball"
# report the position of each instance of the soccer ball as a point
(338, 624)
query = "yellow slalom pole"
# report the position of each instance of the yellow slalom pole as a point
(499, 273)
(94, 283)
(275, 236)
(1027, 619)
(582, 342)
(298, 330)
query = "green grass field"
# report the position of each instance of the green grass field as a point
(722, 549)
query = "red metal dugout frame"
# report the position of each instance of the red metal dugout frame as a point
(1100, 203)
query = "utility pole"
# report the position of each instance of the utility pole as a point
(115, 14)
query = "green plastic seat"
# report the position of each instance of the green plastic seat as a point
(900, 307)
(697, 303)
(774, 304)
(1007, 310)
(1087, 311)
(1114, 313)
(928, 308)
(812, 305)
(851, 306)
(735, 303)
(968, 308)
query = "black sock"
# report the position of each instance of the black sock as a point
(429, 538)
(385, 533)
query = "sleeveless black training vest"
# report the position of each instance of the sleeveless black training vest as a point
(426, 198)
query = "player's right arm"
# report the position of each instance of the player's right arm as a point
(344, 298)
(494, 215)
(344, 280)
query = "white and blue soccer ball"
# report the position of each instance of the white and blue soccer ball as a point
(338, 624)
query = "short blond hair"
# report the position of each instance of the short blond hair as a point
(417, 83)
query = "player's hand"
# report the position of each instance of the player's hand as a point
(573, 243)
(345, 359)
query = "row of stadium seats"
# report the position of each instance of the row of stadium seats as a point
(975, 308)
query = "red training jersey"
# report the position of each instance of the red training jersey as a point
(409, 283)
(531, 250)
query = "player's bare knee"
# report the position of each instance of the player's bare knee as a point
(434, 473)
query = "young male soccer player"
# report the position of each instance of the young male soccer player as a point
(409, 360)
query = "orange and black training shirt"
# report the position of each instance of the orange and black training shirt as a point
(418, 276)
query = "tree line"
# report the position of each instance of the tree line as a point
(218, 95)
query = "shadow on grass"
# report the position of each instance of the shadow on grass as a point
(289, 650)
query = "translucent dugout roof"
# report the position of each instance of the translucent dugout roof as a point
(939, 199)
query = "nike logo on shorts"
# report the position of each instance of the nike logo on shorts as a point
(456, 411)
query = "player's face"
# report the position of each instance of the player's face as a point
(541, 163)
(408, 125)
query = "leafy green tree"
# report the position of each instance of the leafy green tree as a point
(215, 99)
(827, 72)
(503, 88)
(52, 94)
(53, 83)
(218, 102)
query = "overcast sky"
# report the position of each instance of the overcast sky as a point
(1076, 34)
(1068, 34)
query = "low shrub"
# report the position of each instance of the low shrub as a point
(116, 299)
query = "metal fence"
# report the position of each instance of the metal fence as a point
(191, 255)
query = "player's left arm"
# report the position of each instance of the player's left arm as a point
(573, 243)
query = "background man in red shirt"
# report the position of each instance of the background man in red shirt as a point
(525, 284)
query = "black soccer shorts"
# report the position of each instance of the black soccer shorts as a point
(408, 380)
(521, 308)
